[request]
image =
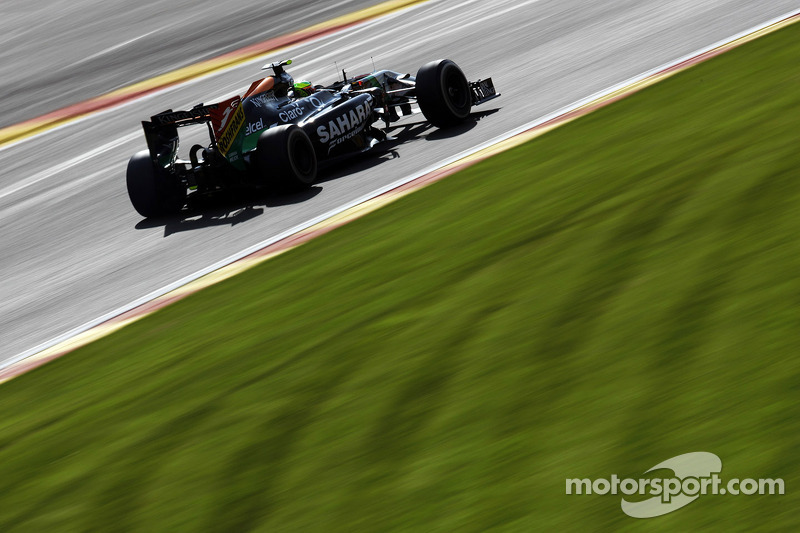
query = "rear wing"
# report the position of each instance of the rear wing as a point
(196, 115)
(161, 131)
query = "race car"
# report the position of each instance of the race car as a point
(274, 136)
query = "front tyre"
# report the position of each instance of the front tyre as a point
(443, 93)
(153, 191)
(286, 158)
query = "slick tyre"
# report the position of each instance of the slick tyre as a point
(286, 158)
(443, 93)
(153, 191)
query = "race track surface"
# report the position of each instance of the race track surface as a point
(74, 248)
(58, 52)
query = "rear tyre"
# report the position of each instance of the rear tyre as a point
(443, 93)
(153, 191)
(286, 158)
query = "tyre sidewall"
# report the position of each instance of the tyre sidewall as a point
(285, 158)
(443, 93)
(153, 191)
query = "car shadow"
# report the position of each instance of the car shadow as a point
(354, 164)
(238, 208)
(229, 210)
(398, 135)
(461, 128)
(386, 150)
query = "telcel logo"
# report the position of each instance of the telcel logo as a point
(254, 127)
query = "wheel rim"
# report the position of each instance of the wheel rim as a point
(456, 89)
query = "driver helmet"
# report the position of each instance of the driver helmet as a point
(302, 89)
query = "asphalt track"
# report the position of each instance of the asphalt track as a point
(61, 52)
(74, 249)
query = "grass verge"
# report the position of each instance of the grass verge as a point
(615, 293)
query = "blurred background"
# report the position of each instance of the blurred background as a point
(56, 53)
(613, 294)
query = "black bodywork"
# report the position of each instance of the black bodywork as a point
(254, 139)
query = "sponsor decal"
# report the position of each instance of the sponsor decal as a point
(177, 116)
(345, 126)
(291, 113)
(254, 127)
(236, 124)
(227, 122)
(222, 114)
(263, 99)
(226, 114)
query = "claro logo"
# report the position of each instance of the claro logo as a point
(291, 113)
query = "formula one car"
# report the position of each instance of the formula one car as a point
(274, 136)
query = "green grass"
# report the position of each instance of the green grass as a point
(620, 291)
